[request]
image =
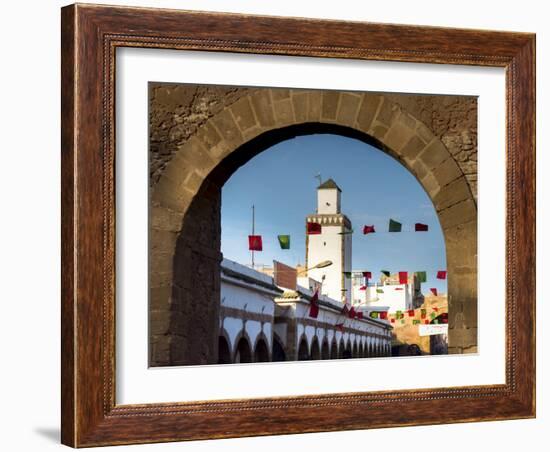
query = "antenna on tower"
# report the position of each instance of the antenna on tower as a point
(318, 176)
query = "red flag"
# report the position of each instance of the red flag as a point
(384, 315)
(363, 288)
(351, 313)
(403, 277)
(345, 309)
(427, 322)
(434, 291)
(340, 326)
(436, 309)
(359, 315)
(368, 229)
(314, 305)
(392, 320)
(442, 274)
(422, 313)
(411, 312)
(399, 288)
(255, 242)
(419, 227)
(367, 275)
(313, 228)
(314, 310)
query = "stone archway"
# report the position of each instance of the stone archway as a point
(261, 352)
(224, 350)
(185, 205)
(243, 352)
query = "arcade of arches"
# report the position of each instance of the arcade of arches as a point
(201, 135)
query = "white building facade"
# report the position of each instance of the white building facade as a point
(261, 322)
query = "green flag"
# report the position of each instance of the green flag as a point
(347, 274)
(395, 226)
(398, 314)
(373, 315)
(432, 315)
(421, 276)
(416, 322)
(385, 272)
(379, 291)
(284, 241)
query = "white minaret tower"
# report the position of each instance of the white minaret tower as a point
(333, 244)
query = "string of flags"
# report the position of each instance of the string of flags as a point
(313, 228)
(422, 277)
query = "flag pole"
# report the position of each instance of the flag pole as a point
(253, 219)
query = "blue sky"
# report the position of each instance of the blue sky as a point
(280, 183)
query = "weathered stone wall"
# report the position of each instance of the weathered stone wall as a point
(176, 112)
(201, 135)
(453, 119)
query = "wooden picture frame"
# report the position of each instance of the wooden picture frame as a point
(90, 36)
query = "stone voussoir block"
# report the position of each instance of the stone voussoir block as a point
(367, 111)
(452, 193)
(460, 213)
(227, 128)
(430, 185)
(300, 105)
(347, 110)
(167, 193)
(447, 172)
(284, 112)
(243, 114)
(412, 148)
(434, 154)
(424, 132)
(329, 105)
(400, 132)
(263, 107)
(387, 112)
(192, 156)
(315, 101)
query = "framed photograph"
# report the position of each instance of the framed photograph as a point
(282, 225)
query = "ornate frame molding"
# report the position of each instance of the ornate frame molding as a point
(90, 36)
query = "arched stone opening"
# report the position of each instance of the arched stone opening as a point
(347, 354)
(315, 351)
(325, 350)
(224, 351)
(261, 352)
(334, 350)
(354, 351)
(341, 348)
(278, 353)
(185, 229)
(243, 353)
(303, 352)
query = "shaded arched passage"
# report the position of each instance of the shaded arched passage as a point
(261, 352)
(243, 353)
(224, 352)
(278, 353)
(315, 352)
(186, 205)
(303, 352)
(325, 351)
(334, 350)
(341, 348)
(347, 354)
